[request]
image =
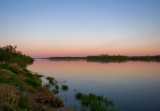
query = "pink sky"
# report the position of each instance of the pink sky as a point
(89, 49)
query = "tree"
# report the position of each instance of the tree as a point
(9, 48)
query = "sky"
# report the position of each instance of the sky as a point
(45, 28)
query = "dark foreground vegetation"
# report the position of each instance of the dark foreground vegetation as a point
(55, 86)
(95, 103)
(20, 89)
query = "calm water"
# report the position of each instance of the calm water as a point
(133, 86)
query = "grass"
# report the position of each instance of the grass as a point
(95, 102)
(11, 67)
(56, 89)
(64, 87)
(32, 82)
(51, 80)
(23, 102)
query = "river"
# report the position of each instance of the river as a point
(133, 86)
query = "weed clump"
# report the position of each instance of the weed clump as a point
(51, 80)
(64, 87)
(95, 102)
(79, 95)
(56, 87)
(55, 91)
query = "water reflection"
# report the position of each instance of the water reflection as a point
(132, 86)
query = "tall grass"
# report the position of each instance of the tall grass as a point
(95, 102)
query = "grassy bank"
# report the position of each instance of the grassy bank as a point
(20, 89)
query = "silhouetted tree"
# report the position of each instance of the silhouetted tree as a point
(10, 48)
(9, 54)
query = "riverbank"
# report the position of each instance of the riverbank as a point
(21, 89)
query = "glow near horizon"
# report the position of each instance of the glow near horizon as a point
(42, 28)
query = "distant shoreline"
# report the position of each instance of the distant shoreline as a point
(109, 58)
(67, 58)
